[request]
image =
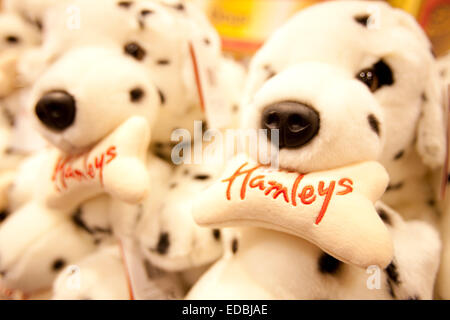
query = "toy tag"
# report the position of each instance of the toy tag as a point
(212, 101)
(333, 209)
(115, 166)
(145, 281)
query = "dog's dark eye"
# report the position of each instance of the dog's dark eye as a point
(380, 74)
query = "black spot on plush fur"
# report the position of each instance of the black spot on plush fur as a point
(58, 264)
(136, 94)
(424, 97)
(125, 4)
(328, 265)
(202, 177)
(362, 19)
(77, 219)
(163, 62)
(393, 187)
(3, 215)
(374, 123)
(179, 7)
(399, 155)
(162, 97)
(11, 39)
(391, 289)
(448, 178)
(79, 222)
(146, 12)
(135, 50)
(384, 216)
(392, 273)
(163, 243)
(270, 72)
(234, 246)
(173, 185)
(216, 234)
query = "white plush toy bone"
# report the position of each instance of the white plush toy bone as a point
(327, 93)
(332, 209)
(100, 118)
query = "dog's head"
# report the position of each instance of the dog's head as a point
(88, 93)
(154, 34)
(341, 77)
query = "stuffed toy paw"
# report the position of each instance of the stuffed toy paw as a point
(99, 276)
(48, 241)
(168, 235)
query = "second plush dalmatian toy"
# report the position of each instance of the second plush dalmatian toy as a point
(331, 111)
(399, 70)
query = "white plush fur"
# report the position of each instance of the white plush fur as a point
(41, 237)
(271, 265)
(100, 276)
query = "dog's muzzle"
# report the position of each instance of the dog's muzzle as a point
(297, 123)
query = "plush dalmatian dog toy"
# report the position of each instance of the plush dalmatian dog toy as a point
(399, 70)
(331, 110)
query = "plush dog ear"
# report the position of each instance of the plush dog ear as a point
(431, 135)
(431, 140)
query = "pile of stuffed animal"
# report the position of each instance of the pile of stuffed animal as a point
(94, 207)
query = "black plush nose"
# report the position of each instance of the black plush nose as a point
(297, 122)
(56, 110)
